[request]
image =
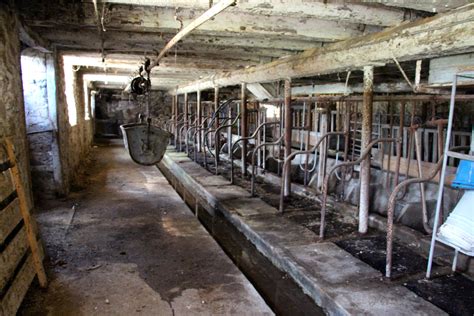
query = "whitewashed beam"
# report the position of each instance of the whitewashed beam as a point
(135, 43)
(183, 75)
(156, 40)
(259, 91)
(327, 10)
(156, 83)
(133, 61)
(340, 88)
(156, 19)
(433, 6)
(441, 35)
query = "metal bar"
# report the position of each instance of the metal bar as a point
(255, 134)
(288, 131)
(199, 116)
(217, 139)
(442, 177)
(186, 118)
(367, 111)
(243, 127)
(399, 144)
(252, 183)
(363, 155)
(293, 155)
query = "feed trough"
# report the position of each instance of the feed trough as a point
(145, 143)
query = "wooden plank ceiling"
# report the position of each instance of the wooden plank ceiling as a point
(250, 33)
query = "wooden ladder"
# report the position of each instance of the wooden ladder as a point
(25, 213)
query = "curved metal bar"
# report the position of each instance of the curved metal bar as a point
(186, 137)
(216, 155)
(223, 105)
(246, 138)
(363, 155)
(198, 129)
(210, 130)
(293, 155)
(253, 160)
(393, 199)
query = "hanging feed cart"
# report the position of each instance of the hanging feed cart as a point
(145, 142)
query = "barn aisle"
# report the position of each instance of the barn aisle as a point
(126, 243)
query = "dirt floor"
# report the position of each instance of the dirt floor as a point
(126, 243)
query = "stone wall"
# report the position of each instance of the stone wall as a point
(16, 262)
(74, 120)
(113, 108)
(12, 114)
(41, 122)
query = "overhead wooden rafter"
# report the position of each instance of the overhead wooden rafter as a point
(324, 10)
(440, 35)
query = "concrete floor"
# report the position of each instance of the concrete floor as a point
(126, 244)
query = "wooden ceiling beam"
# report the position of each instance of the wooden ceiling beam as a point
(325, 10)
(142, 19)
(441, 35)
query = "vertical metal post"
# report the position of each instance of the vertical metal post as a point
(287, 138)
(243, 126)
(199, 120)
(217, 140)
(399, 144)
(186, 118)
(229, 132)
(176, 112)
(439, 200)
(366, 138)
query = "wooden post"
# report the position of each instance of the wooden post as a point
(288, 130)
(243, 126)
(25, 213)
(366, 138)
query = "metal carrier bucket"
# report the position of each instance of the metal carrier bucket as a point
(145, 143)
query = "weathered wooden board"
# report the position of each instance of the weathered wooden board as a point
(6, 185)
(9, 218)
(13, 298)
(11, 256)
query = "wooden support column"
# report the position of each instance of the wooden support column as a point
(216, 105)
(199, 119)
(243, 126)
(366, 138)
(288, 130)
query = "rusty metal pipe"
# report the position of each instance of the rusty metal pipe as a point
(364, 154)
(294, 154)
(216, 132)
(243, 127)
(366, 136)
(247, 138)
(399, 144)
(288, 131)
(252, 183)
(393, 199)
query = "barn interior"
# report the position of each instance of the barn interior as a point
(249, 157)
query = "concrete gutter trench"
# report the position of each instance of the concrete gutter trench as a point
(338, 282)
